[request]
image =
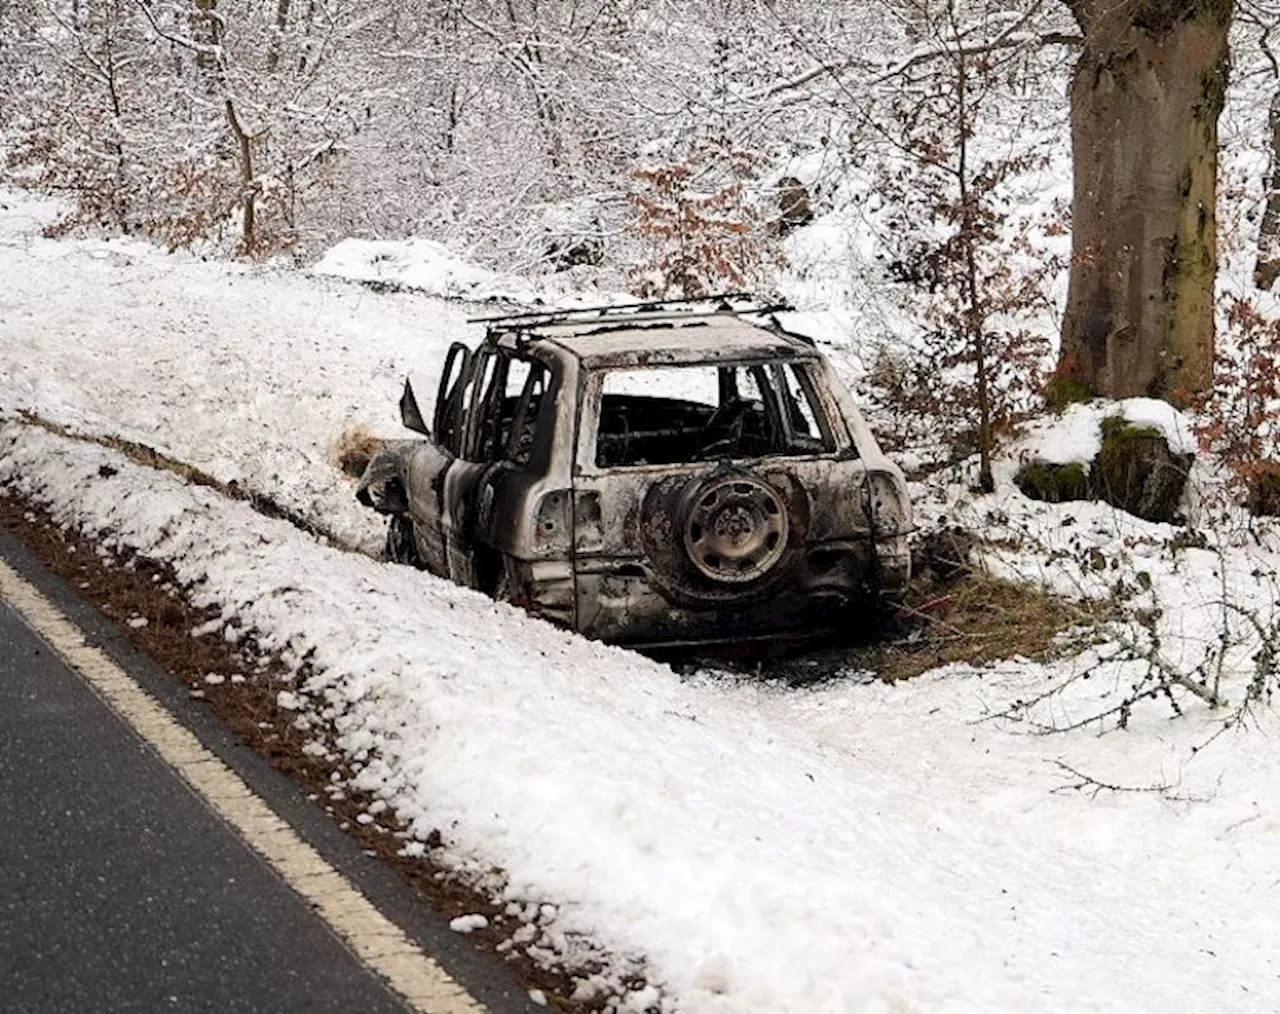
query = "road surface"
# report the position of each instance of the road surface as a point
(123, 889)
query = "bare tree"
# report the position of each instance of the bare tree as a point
(1263, 17)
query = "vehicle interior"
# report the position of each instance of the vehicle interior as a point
(679, 414)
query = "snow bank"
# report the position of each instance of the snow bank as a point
(1076, 434)
(433, 269)
(419, 264)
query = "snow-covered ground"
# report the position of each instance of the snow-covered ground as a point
(761, 849)
(249, 374)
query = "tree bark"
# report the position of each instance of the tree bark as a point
(1267, 267)
(1145, 99)
(248, 184)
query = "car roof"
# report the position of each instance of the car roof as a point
(669, 340)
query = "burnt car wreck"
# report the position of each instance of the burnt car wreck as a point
(662, 474)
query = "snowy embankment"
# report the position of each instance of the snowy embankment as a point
(248, 374)
(764, 850)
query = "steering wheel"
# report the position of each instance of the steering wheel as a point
(723, 430)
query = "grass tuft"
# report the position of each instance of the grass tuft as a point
(353, 450)
(981, 619)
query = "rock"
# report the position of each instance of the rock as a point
(571, 251)
(1137, 472)
(793, 205)
(1134, 470)
(1053, 483)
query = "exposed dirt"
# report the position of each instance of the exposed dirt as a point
(125, 589)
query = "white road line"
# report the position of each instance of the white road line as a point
(369, 934)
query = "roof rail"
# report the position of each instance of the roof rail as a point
(732, 302)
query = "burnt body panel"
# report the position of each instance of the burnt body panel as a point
(738, 494)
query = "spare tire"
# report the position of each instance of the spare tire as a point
(735, 528)
(729, 536)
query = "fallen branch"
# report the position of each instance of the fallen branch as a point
(1078, 781)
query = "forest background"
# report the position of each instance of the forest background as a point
(899, 168)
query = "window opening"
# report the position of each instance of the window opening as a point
(678, 414)
(805, 422)
(520, 410)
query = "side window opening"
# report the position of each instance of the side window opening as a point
(521, 409)
(678, 414)
(481, 425)
(806, 425)
(506, 398)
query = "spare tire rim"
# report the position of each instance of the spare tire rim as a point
(736, 529)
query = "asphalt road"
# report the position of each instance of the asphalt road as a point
(120, 890)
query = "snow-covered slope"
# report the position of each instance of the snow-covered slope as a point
(249, 374)
(854, 847)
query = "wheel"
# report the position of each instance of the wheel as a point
(723, 540)
(735, 529)
(401, 547)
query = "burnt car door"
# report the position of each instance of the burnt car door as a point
(507, 392)
(519, 443)
(458, 484)
(430, 461)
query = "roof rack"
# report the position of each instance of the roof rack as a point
(732, 303)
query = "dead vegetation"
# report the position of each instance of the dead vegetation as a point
(955, 611)
(979, 619)
(354, 448)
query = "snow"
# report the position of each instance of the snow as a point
(756, 848)
(1176, 427)
(468, 923)
(249, 374)
(433, 269)
(1076, 434)
(416, 264)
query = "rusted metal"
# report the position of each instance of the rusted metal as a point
(719, 543)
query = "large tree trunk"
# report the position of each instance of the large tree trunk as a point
(1267, 267)
(1145, 100)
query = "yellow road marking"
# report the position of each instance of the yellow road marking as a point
(373, 938)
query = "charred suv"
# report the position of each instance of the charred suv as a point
(655, 473)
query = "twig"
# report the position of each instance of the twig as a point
(1093, 786)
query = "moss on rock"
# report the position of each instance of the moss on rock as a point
(1066, 389)
(1053, 483)
(1137, 472)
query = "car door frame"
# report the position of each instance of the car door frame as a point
(430, 461)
